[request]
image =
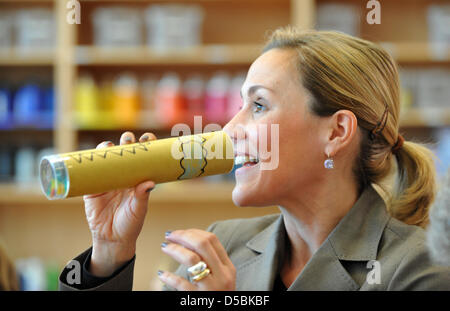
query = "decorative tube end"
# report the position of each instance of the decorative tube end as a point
(54, 177)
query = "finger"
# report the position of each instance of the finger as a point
(176, 281)
(181, 254)
(143, 189)
(127, 138)
(147, 137)
(220, 250)
(214, 241)
(200, 243)
(105, 144)
(141, 195)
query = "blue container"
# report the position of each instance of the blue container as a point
(47, 108)
(26, 106)
(6, 163)
(5, 108)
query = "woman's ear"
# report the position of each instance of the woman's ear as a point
(342, 131)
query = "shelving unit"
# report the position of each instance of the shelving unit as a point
(233, 35)
(12, 57)
(212, 54)
(229, 43)
(432, 117)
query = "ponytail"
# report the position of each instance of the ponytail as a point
(416, 186)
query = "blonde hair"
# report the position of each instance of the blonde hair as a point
(8, 276)
(343, 72)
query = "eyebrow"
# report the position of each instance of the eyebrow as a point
(253, 89)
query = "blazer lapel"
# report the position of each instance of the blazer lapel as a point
(258, 272)
(355, 238)
(325, 272)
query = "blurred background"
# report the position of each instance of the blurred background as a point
(146, 65)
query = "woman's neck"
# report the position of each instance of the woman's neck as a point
(309, 219)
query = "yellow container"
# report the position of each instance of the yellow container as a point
(99, 170)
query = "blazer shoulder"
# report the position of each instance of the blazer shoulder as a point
(240, 230)
(404, 232)
(412, 267)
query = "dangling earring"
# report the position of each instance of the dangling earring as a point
(328, 163)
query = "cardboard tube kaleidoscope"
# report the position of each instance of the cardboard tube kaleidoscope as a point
(99, 170)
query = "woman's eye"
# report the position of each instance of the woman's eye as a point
(258, 107)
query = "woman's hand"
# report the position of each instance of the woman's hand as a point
(115, 219)
(188, 247)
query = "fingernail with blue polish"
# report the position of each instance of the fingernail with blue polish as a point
(160, 272)
(164, 244)
(149, 189)
(168, 233)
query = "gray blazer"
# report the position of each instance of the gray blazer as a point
(367, 232)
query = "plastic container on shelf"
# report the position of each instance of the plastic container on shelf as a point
(24, 166)
(146, 117)
(6, 162)
(35, 28)
(439, 30)
(194, 97)
(339, 17)
(5, 108)
(126, 100)
(26, 106)
(117, 26)
(433, 88)
(148, 87)
(234, 95)
(173, 26)
(216, 97)
(170, 107)
(47, 108)
(32, 274)
(6, 24)
(86, 102)
(408, 87)
(443, 151)
(106, 113)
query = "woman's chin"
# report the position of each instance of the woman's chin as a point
(242, 196)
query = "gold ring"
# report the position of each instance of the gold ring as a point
(201, 275)
(197, 268)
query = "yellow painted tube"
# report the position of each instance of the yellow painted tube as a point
(98, 170)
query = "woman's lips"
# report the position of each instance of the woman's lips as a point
(247, 168)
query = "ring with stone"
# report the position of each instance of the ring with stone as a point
(197, 268)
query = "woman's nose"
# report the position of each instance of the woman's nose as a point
(235, 130)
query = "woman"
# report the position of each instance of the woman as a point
(8, 275)
(336, 101)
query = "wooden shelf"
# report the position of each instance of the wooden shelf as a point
(430, 117)
(171, 1)
(191, 191)
(410, 53)
(36, 57)
(416, 52)
(206, 54)
(26, 1)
